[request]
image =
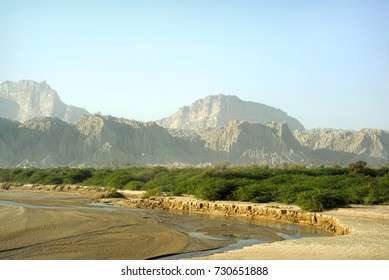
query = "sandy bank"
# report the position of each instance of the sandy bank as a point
(251, 211)
(360, 232)
(58, 231)
(368, 240)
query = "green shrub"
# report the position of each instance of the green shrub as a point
(153, 192)
(100, 177)
(216, 189)
(378, 191)
(134, 185)
(113, 193)
(76, 175)
(258, 193)
(321, 199)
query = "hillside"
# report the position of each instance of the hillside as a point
(365, 143)
(219, 110)
(26, 99)
(104, 141)
(38, 129)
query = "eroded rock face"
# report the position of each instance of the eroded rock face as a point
(247, 210)
(212, 130)
(243, 142)
(25, 100)
(219, 110)
(366, 143)
(108, 138)
(93, 140)
(103, 140)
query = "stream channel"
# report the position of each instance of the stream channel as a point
(206, 234)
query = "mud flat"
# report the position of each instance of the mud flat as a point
(359, 232)
(63, 230)
(43, 222)
(368, 240)
(37, 225)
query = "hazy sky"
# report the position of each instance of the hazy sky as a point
(324, 62)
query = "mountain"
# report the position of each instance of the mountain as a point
(38, 129)
(366, 143)
(106, 139)
(26, 99)
(103, 140)
(241, 142)
(219, 110)
(94, 140)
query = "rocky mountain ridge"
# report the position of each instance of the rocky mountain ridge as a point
(104, 140)
(366, 143)
(219, 110)
(260, 134)
(27, 99)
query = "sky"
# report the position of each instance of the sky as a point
(325, 63)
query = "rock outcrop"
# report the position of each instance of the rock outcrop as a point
(237, 209)
(219, 110)
(26, 99)
(366, 144)
(104, 140)
(40, 130)
(242, 142)
(93, 140)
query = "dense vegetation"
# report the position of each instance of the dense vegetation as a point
(313, 189)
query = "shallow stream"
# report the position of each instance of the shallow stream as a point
(206, 234)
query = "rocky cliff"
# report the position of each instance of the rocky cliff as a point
(93, 140)
(366, 144)
(104, 140)
(214, 129)
(25, 100)
(242, 142)
(219, 110)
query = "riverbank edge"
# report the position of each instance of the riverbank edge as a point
(187, 205)
(249, 211)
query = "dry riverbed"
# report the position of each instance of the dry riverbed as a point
(69, 228)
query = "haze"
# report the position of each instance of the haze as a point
(323, 62)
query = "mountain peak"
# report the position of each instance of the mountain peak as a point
(219, 110)
(28, 99)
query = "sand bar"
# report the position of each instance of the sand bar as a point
(61, 233)
(368, 240)
(364, 233)
(48, 224)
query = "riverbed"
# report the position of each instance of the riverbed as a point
(57, 225)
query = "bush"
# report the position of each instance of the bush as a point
(113, 193)
(76, 175)
(99, 178)
(216, 189)
(258, 193)
(378, 191)
(153, 192)
(321, 199)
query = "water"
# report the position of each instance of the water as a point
(207, 234)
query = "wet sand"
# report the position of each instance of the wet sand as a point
(60, 233)
(368, 240)
(58, 225)
(69, 228)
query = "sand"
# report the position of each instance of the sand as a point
(61, 233)
(47, 224)
(368, 240)
(36, 233)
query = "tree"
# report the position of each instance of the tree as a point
(357, 167)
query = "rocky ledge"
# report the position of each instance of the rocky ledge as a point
(186, 205)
